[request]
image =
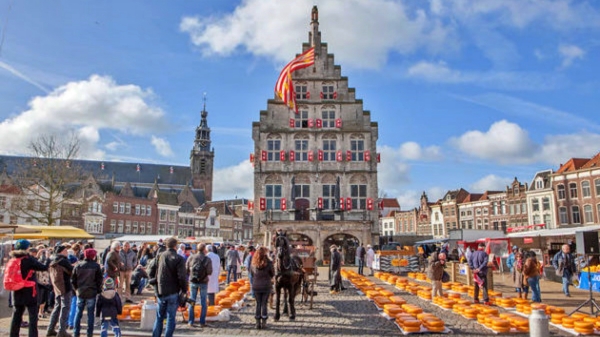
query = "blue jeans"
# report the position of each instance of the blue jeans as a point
(167, 309)
(90, 305)
(71, 320)
(566, 280)
(115, 326)
(251, 280)
(534, 285)
(231, 270)
(361, 266)
(194, 287)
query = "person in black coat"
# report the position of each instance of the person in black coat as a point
(262, 271)
(335, 266)
(25, 297)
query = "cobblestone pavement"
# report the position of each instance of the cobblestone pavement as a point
(343, 314)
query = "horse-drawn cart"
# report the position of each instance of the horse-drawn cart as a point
(311, 271)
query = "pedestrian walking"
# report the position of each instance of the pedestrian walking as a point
(360, 258)
(198, 266)
(370, 259)
(233, 261)
(60, 276)
(248, 264)
(478, 263)
(519, 279)
(262, 272)
(87, 282)
(170, 279)
(531, 271)
(113, 263)
(213, 278)
(565, 267)
(128, 263)
(436, 273)
(510, 261)
(108, 307)
(335, 276)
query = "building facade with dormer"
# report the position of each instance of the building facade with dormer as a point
(315, 171)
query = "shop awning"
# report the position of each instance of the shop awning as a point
(428, 242)
(554, 232)
(143, 238)
(52, 232)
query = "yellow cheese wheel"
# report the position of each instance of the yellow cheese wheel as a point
(433, 323)
(501, 323)
(579, 315)
(523, 329)
(500, 329)
(590, 319)
(411, 328)
(411, 323)
(568, 320)
(568, 326)
(585, 331)
(583, 325)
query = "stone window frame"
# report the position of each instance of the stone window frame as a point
(586, 187)
(301, 145)
(273, 147)
(357, 147)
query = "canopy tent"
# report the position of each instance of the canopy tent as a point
(10, 229)
(143, 238)
(555, 232)
(428, 242)
(52, 232)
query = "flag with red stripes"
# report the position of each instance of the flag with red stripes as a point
(284, 88)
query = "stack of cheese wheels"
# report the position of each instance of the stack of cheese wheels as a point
(413, 289)
(344, 273)
(446, 286)
(392, 310)
(470, 313)
(384, 277)
(597, 325)
(481, 318)
(557, 318)
(408, 323)
(489, 320)
(371, 294)
(136, 313)
(454, 295)
(424, 294)
(380, 301)
(471, 292)
(433, 323)
(579, 315)
(412, 309)
(386, 293)
(584, 328)
(519, 323)
(554, 310)
(500, 325)
(462, 301)
(397, 300)
(411, 274)
(392, 279)
(505, 302)
(221, 295)
(491, 311)
(447, 303)
(458, 308)
(495, 293)
(568, 322)
(236, 296)
(213, 310)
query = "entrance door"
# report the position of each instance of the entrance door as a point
(302, 210)
(348, 243)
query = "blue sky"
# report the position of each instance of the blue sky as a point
(467, 93)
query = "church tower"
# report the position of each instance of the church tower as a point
(202, 157)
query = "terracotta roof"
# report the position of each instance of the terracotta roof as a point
(573, 164)
(594, 162)
(390, 203)
(473, 197)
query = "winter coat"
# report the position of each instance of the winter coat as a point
(262, 277)
(87, 279)
(360, 253)
(194, 260)
(531, 267)
(138, 274)
(112, 264)
(60, 274)
(334, 268)
(479, 260)
(169, 273)
(213, 278)
(233, 257)
(108, 304)
(436, 269)
(25, 296)
(370, 257)
(564, 264)
(517, 273)
(129, 260)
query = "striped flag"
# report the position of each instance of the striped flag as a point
(284, 88)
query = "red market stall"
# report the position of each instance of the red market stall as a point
(497, 248)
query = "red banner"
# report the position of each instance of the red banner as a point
(527, 240)
(342, 203)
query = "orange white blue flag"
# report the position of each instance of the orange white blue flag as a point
(284, 88)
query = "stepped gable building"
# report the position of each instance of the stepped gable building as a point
(315, 171)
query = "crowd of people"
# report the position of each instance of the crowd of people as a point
(67, 279)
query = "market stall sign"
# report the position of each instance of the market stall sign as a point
(527, 240)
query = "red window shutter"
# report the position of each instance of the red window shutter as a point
(308, 95)
(379, 157)
(381, 204)
(263, 204)
(319, 123)
(338, 156)
(320, 154)
(250, 205)
(322, 95)
(292, 155)
(338, 123)
(311, 155)
(367, 155)
(369, 204)
(320, 203)
(252, 157)
(263, 155)
(348, 204)
(348, 155)
(292, 122)
(311, 123)
(342, 203)
(283, 204)
(282, 155)
(335, 95)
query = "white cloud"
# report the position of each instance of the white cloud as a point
(373, 30)
(236, 180)
(410, 199)
(570, 53)
(414, 151)
(440, 72)
(490, 182)
(162, 146)
(504, 143)
(86, 107)
(508, 143)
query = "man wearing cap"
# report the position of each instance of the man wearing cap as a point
(24, 298)
(60, 275)
(128, 263)
(87, 282)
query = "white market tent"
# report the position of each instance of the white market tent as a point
(143, 238)
(554, 232)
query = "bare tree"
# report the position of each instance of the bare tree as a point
(44, 177)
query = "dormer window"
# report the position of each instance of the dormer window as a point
(539, 184)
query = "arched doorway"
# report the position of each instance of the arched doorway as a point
(348, 243)
(298, 239)
(302, 209)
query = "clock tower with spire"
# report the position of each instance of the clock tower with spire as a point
(202, 157)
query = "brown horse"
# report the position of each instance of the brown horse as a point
(289, 275)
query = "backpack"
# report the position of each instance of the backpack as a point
(199, 271)
(13, 278)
